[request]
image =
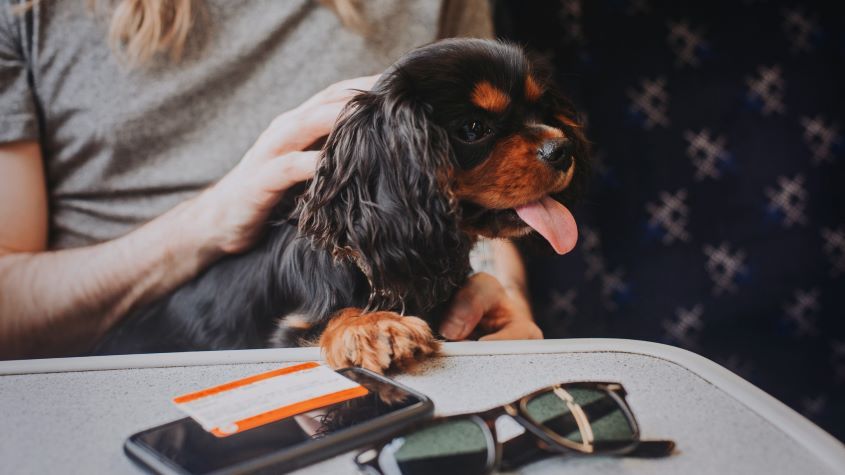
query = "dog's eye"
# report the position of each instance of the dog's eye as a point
(473, 131)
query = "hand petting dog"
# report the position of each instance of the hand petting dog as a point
(241, 201)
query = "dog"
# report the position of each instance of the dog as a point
(460, 139)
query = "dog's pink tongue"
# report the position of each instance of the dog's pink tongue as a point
(553, 221)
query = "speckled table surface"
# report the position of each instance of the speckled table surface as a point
(64, 416)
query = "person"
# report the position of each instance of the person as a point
(128, 166)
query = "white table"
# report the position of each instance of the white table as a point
(72, 415)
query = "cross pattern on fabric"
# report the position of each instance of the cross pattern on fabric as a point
(591, 248)
(800, 29)
(802, 312)
(813, 406)
(650, 102)
(686, 43)
(685, 326)
(707, 154)
(767, 89)
(613, 287)
(564, 302)
(834, 249)
(821, 138)
(788, 200)
(724, 267)
(570, 12)
(670, 215)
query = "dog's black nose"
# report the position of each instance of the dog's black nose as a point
(557, 152)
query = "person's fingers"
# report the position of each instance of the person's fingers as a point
(364, 83)
(318, 122)
(518, 330)
(269, 182)
(462, 317)
(323, 114)
(342, 91)
(345, 90)
(481, 293)
(289, 169)
(296, 130)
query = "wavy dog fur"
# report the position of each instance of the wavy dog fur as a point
(381, 198)
(380, 232)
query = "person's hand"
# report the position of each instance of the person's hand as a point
(235, 209)
(485, 306)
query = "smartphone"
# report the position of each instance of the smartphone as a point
(184, 447)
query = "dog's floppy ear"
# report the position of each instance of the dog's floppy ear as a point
(381, 199)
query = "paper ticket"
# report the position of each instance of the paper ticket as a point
(263, 398)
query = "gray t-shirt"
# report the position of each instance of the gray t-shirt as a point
(123, 145)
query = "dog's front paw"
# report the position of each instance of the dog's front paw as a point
(376, 341)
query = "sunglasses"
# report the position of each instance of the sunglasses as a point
(582, 417)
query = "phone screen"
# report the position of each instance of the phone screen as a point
(185, 444)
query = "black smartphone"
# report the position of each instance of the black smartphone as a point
(184, 447)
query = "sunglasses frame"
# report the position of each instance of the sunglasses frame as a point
(546, 440)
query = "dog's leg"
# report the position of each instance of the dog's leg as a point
(376, 341)
(295, 330)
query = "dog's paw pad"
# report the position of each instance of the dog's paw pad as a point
(377, 341)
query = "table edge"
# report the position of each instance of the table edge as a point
(801, 430)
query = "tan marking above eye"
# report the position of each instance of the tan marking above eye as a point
(489, 97)
(547, 131)
(533, 91)
(567, 121)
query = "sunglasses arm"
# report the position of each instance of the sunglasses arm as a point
(515, 451)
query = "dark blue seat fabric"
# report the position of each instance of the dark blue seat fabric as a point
(716, 217)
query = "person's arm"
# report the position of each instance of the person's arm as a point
(61, 302)
(494, 300)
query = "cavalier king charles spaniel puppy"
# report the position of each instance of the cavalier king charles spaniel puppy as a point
(460, 139)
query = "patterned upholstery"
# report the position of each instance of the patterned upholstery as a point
(716, 218)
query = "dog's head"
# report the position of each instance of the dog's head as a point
(459, 139)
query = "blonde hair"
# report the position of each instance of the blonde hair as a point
(142, 29)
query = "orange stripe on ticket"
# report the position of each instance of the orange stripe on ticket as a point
(292, 410)
(243, 382)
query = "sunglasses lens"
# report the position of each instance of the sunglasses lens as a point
(458, 446)
(560, 411)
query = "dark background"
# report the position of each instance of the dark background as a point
(716, 216)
